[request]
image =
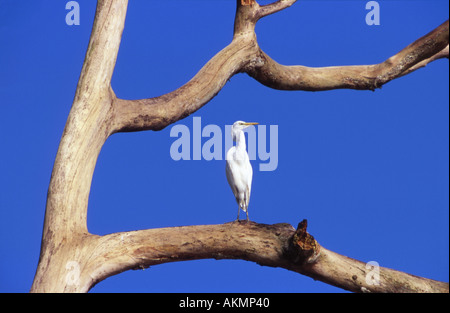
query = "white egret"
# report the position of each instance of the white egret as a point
(238, 169)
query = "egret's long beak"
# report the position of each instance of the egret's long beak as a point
(248, 124)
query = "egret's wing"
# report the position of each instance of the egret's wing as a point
(231, 179)
(249, 178)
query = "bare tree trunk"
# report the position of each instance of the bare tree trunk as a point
(65, 240)
(73, 260)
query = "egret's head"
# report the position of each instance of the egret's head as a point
(238, 126)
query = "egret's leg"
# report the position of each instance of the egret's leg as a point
(247, 215)
(239, 209)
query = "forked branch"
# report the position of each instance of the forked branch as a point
(364, 77)
(244, 55)
(278, 245)
(274, 7)
(97, 113)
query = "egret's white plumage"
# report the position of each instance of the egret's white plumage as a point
(238, 169)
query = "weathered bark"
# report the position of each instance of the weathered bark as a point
(278, 245)
(65, 237)
(244, 55)
(363, 77)
(73, 260)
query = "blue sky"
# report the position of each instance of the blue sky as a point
(369, 170)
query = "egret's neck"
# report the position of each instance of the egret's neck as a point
(240, 141)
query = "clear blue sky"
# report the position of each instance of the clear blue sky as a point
(369, 170)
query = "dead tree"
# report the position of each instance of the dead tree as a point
(74, 260)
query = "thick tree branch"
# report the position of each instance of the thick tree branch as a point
(88, 125)
(244, 55)
(440, 55)
(87, 128)
(157, 113)
(278, 245)
(274, 7)
(364, 77)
